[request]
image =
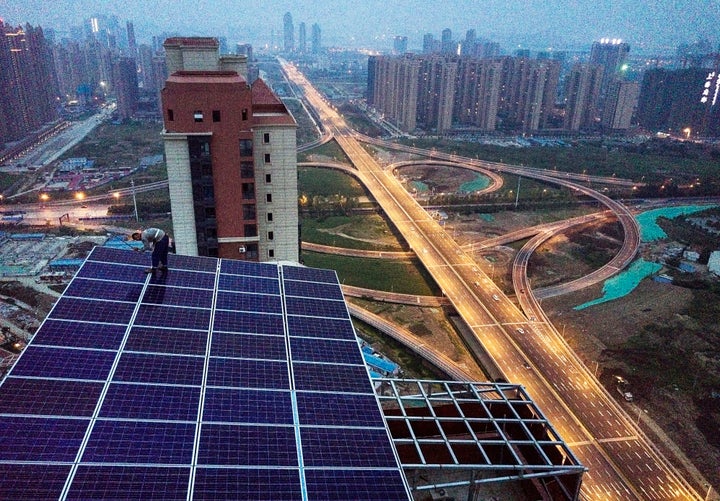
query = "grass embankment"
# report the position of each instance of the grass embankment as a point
(406, 277)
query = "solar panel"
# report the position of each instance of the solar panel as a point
(216, 380)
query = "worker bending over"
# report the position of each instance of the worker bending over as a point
(158, 241)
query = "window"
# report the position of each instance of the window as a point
(246, 148)
(216, 115)
(247, 169)
(248, 191)
(267, 158)
(171, 115)
(244, 114)
(198, 115)
(269, 217)
(271, 235)
(266, 138)
(268, 178)
(250, 230)
(249, 212)
(271, 252)
(268, 197)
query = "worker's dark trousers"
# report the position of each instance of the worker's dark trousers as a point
(160, 252)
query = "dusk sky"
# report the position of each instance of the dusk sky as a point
(652, 24)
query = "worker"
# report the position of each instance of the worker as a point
(158, 241)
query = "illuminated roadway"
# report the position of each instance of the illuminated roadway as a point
(622, 463)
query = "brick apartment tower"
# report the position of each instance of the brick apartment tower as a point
(231, 157)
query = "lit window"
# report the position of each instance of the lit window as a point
(198, 115)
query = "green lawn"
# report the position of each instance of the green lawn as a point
(407, 277)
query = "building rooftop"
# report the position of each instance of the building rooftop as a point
(231, 379)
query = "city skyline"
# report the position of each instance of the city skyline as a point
(651, 26)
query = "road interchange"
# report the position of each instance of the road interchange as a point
(622, 462)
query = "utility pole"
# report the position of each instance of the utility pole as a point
(132, 183)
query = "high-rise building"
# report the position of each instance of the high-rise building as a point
(436, 93)
(400, 44)
(288, 33)
(478, 92)
(393, 89)
(447, 45)
(430, 45)
(620, 104)
(28, 88)
(582, 92)
(125, 84)
(529, 87)
(132, 44)
(672, 100)
(302, 39)
(611, 55)
(231, 157)
(316, 39)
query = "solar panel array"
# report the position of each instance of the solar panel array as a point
(217, 380)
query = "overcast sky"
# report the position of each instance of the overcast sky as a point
(651, 24)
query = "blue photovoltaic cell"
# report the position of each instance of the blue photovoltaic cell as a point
(180, 278)
(249, 268)
(239, 283)
(100, 289)
(248, 346)
(130, 483)
(356, 484)
(248, 373)
(327, 377)
(143, 440)
(247, 406)
(309, 274)
(237, 483)
(192, 263)
(329, 328)
(140, 442)
(306, 349)
(328, 447)
(79, 334)
(84, 310)
(256, 323)
(49, 397)
(264, 303)
(145, 401)
(172, 316)
(313, 289)
(65, 363)
(316, 307)
(32, 481)
(338, 409)
(115, 272)
(247, 445)
(164, 369)
(115, 256)
(41, 439)
(178, 296)
(164, 340)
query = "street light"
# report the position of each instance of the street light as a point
(80, 196)
(687, 131)
(44, 197)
